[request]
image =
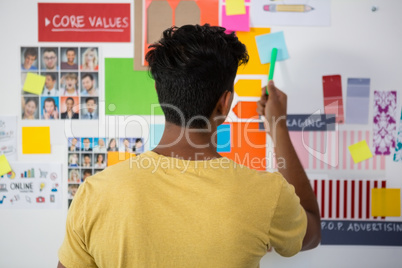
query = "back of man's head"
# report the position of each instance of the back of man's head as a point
(193, 66)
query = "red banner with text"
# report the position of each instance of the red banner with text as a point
(84, 22)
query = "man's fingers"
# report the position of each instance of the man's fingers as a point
(272, 90)
(260, 107)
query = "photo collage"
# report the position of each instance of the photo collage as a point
(90, 155)
(71, 89)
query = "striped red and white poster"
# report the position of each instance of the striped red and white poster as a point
(328, 150)
(345, 198)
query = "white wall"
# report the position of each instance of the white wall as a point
(359, 43)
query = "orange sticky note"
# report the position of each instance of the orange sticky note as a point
(36, 140)
(360, 151)
(235, 7)
(4, 165)
(385, 202)
(34, 83)
(254, 65)
(248, 87)
(116, 157)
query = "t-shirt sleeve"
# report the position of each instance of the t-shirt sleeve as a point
(73, 252)
(289, 222)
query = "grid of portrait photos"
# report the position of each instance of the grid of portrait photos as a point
(71, 88)
(90, 155)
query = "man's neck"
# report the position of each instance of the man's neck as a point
(70, 63)
(188, 144)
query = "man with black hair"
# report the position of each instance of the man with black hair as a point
(30, 56)
(50, 85)
(49, 59)
(182, 204)
(70, 64)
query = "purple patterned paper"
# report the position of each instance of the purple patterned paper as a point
(384, 121)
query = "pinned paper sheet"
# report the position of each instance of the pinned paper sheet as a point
(385, 202)
(4, 165)
(117, 157)
(265, 44)
(360, 151)
(235, 7)
(36, 140)
(254, 65)
(248, 87)
(236, 22)
(34, 83)
(129, 92)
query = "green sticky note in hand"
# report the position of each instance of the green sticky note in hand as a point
(34, 83)
(4, 165)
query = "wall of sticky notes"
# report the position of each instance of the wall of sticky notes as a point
(340, 58)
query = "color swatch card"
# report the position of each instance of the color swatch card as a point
(384, 121)
(36, 140)
(265, 44)
(333, 102)
(386, 202)
(398, 147)
(358, 101)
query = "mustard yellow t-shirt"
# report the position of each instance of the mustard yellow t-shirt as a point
(157, 211)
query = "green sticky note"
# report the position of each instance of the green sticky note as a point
(385, 202)
(360, 151)
(129, 92)
(34, 83)
(4, 165)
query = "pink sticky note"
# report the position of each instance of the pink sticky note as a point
(236, 22)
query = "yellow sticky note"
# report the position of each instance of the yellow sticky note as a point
(116, 157)
(4, 165)
(385, 202)
(235, 7)
(360, 151)
(36, 140)
(34, 83)
(254, 65)
(248, 87)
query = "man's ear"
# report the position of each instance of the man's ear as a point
(225, 102)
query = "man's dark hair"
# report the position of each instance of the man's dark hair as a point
(88, 75)
(52, 75)
(87, 171)
(193, 66)
(69, 98)
(138, 140)
(88, 99)
(70, 49)
(31, 51)
(50, 49)
(50, 100)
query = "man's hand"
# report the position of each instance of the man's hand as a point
(273, 107)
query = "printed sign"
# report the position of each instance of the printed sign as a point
(307, 122)
(82, 22)
(381, 233)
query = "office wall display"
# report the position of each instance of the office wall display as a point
(69, 88)
(89, 155)
(31, 186)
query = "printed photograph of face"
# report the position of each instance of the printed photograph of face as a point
(89, 108)
(86, 160)
(69, 84)
(69, 58)
(73, 159)
(51, 84)
(89, 83)
(49, 58)
(49, 108)
(72, 190)
(74, 176)
(112, 145)
(69, 107)
(89, 59)
(74, 144)
(86, 144)
(100, 145)
(29, 58)
(29, 106)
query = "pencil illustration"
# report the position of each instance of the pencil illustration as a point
(287, 8)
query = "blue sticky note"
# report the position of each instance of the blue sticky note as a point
(155, 135)
(223, 139)
(265, 44)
